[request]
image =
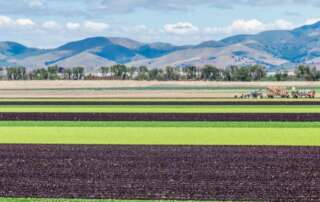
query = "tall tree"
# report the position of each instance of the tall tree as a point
(243, 74)
(257, 72)
(281, 75)
(119, 71)
(1, 72)
(306, 73)
(210, 73)
(53, 72)
(78, 73)
(132, 72)
(302, 72)
(191, 72)
(105, 71)
(16, 73)
(143, 73)
(67, 74)
(171, 73)
(39, 74)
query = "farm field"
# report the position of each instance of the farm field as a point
(137, 89)
(165, 109)
(87, 84)
(160, 172)
(133, 101)
(304, 134)
(79, 200)
(155, 149)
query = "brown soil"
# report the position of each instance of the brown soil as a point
(161, 172)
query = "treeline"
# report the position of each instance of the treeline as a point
(50, 73)
(208, 72)
(123, 72)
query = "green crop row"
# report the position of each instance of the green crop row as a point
(161, 136)
(150, 124)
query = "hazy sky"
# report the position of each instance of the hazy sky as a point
(50, 23)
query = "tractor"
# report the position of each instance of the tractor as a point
(303, 93)
(254, 94)
(277, 91)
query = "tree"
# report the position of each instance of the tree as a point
(210, 73)
(104, 71)
(22, 73)
(119, 71)
(143, 73)
(171, 73)
(243, 74)
(53, 72)
(16, 73)
(67, 74)
(230, 73)
(191, 72)
(257, 72)
(314, 74)
(303, 73)
(153, 74)
(10, 73)
(132, 72)
(156, 74)
(78, 73)
(281, 76)
(39, 74)
(1, 72)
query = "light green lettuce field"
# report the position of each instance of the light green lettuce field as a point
(176, 133)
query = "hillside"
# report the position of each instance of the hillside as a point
(274, 49)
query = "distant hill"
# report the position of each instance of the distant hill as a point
(274, 49)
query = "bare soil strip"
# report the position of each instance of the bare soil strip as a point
(158, 103)
(287, 117)
(95, 89)
(161, 172)
(16, 85)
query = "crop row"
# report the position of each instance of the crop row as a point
(162, 124)
(293, 117)
(161, 172)
(164, 102)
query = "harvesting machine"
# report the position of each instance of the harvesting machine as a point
(303, 93)
(277, 91)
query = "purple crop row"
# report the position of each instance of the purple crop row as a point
(161, 172)
(159, 116)
(155, 103)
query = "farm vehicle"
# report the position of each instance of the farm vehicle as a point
(303, 93)
(278, 92)
(253, 94)
(273, 92)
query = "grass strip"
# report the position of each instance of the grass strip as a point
(165, 109)
(161, 136)
(150, 124)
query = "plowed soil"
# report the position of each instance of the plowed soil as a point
(293, 117)
(160, 103)
(161, 172)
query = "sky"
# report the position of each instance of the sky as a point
(51, 23)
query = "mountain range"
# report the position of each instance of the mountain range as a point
(274, 49)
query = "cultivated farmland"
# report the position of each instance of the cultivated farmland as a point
(136, 89)
(159, 149)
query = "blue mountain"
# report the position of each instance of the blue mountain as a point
(270, 48)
